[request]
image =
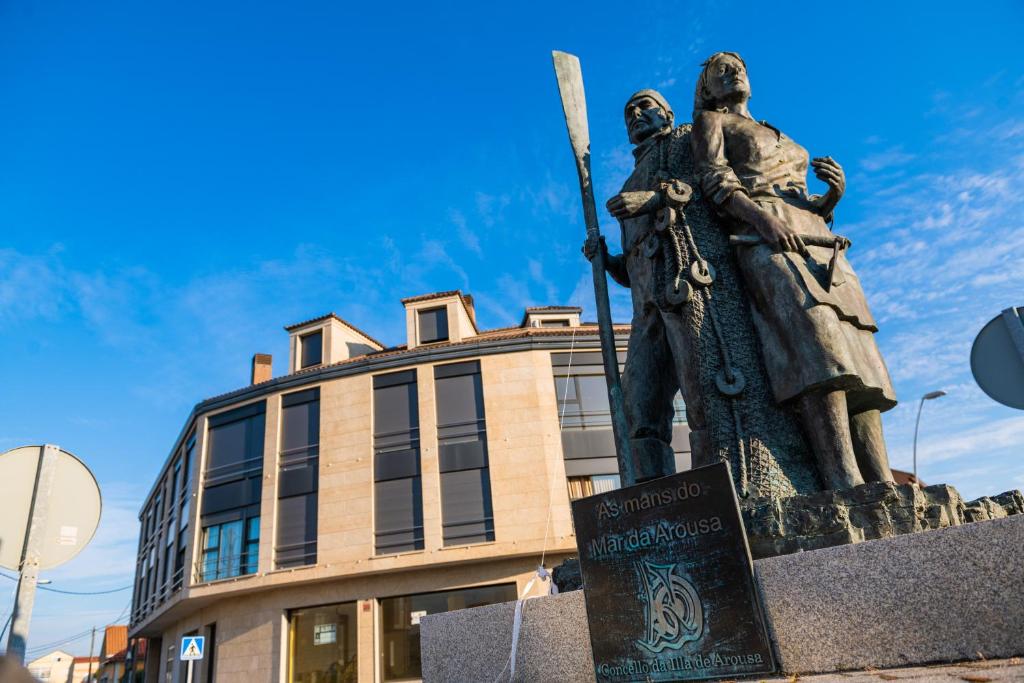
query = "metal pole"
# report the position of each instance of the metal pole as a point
(916, 425)
(927, 397)
(31, 549)
(92, 642)
(190, 663)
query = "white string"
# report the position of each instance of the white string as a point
(542, 572)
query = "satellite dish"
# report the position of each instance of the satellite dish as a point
(997, 358)
(73, 510)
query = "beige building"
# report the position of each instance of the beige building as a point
(52, 667)
(81, 668)
(305, 523)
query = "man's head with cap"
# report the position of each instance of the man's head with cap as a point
(647, 112)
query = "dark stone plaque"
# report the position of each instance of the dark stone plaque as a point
(668, 582)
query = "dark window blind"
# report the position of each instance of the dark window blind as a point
(398, 502)
(297, 482)
(466, 512)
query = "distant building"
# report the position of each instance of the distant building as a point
(80, 668)
(305, 523)
(113, 652)
(52, 667)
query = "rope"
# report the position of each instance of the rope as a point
(723, 349)
(542, 572)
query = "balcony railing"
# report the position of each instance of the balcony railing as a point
(224, 567)
(158, 596)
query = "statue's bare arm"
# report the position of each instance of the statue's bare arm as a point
(722, 187)
(828, 170)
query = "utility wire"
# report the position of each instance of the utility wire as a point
(70, 639)
(63, 592)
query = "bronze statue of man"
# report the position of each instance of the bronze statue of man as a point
(659, 360)
(815, 330)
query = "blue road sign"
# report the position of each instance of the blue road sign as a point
(192, 648)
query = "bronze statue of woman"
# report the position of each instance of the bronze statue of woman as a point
(816, 332)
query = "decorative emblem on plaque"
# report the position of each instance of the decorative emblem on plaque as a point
(672, 610)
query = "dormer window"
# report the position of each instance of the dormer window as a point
(312, 349)
(552, 316)
(326, 340)
(433, 324)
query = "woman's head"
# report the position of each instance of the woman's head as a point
(722, 82)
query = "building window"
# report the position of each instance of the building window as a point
(398, 499)
(557, 322)
(323, 644)
(400, 624)
(186, 480)
(433, 325)
(230, 549)
(230, 511)
(311, 348)
(297, 480)
(581, 487)
(588, 445)
(466, 514)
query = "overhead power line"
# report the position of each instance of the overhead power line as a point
(63, 592)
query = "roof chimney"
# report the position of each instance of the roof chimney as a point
(262, 370)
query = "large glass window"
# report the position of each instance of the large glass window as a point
(400, 624)
(588, 445)
(466, 513)
(398, 500)
(433, 325)
(298, 479)
(323, 645)
(231, 497)
(311, 348)
(230, 549)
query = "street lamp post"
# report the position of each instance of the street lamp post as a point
(927, 397)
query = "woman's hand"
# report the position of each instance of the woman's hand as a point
(633, 204)
(777, 234)
(831, 173)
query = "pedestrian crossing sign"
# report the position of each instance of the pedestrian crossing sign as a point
(192, 648)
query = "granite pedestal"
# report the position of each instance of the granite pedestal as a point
(934, 596)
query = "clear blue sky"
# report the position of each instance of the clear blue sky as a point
(179, 180)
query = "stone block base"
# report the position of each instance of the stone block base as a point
(937, 596)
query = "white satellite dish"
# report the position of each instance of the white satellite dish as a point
(73, 507)
(997, 358)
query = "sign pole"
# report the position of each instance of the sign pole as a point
(190, 664)
(28, 575)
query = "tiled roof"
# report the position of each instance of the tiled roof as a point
(501, 333)
(337, 317)
(567, 309)
(432, 295)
